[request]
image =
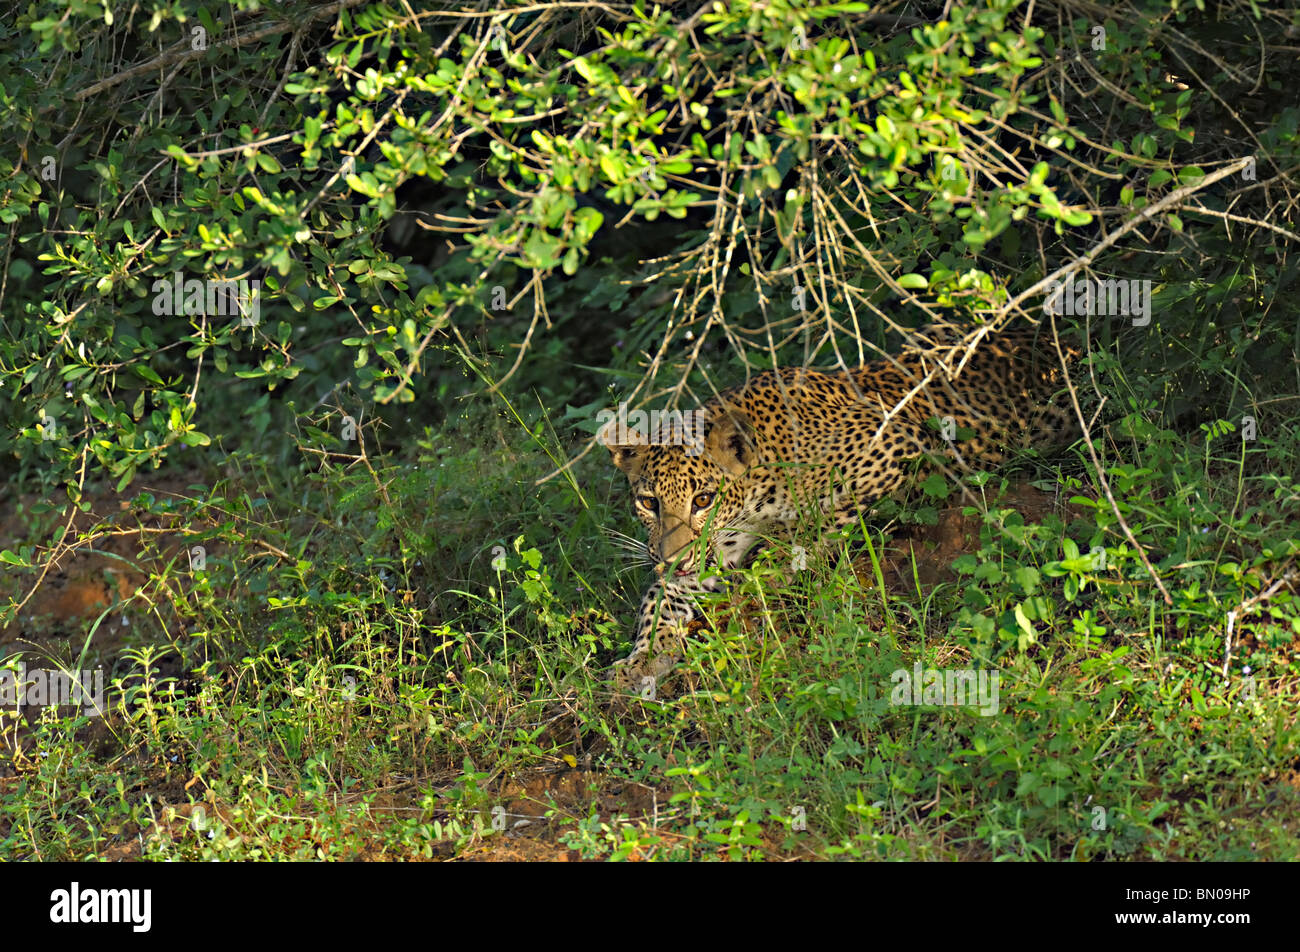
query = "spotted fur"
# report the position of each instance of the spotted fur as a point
(795, 443)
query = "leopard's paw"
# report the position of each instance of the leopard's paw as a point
(635, 679)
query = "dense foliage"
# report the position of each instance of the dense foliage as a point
(413, 190)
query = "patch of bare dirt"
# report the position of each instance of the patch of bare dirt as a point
(934, 548)
(79, 579)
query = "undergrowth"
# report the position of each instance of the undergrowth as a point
(391, 654)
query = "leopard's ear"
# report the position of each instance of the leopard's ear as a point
(730, 442)
(629, 458)
(627, 447)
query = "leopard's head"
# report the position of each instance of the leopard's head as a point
(687, 478)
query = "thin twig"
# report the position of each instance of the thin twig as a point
(1096, 464)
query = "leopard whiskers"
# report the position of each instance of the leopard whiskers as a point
(635, 547)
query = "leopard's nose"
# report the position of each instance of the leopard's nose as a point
(682, 570)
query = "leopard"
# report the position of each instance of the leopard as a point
(716, 486)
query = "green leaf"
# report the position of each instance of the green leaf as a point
(148, 373)
(367, 188)
(1029, 635)
(965, 564)
(936, 486)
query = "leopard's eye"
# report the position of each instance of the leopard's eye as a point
(703, 500)
(649, 503)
